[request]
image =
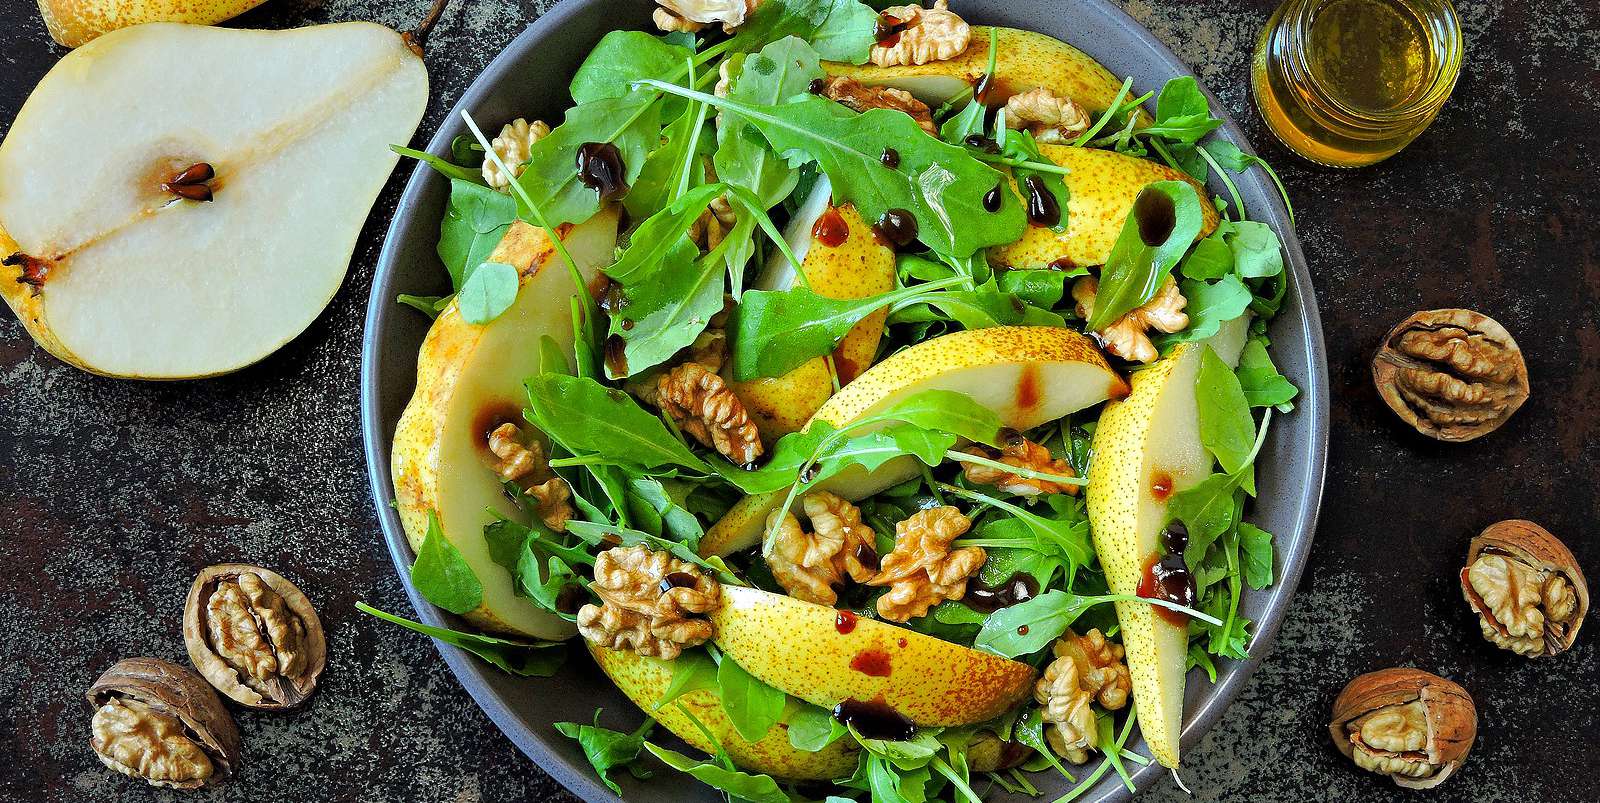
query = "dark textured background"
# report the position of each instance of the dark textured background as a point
(117, 493)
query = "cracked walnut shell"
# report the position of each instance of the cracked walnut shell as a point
(859, 97)
(1126, 337)
(1410, 725)
(160, 722)
(811, 565)
(1453, 374)
(703, 405)
(913, 35)
(1526, 588)
(254, 636)
(922, 570)
(649, 602)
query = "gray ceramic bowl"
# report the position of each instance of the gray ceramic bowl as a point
(530, 78)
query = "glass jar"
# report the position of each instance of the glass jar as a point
(1347, 83)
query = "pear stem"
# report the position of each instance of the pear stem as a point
(419, 37)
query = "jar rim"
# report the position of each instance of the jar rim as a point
(1445, 29)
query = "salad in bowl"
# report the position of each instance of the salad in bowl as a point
(873, 396)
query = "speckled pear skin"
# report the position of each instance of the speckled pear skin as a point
(1026, 60)
(645, 680)
(1102, 187)
(802, 649)
(76, 22)
(860, 266)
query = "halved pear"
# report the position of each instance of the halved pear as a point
(114, 274)
(645, 681)
(74, 22)
(1152, 437)
(858, 266)
(1027, 374)
(1102, 187)
(1024, 60)
(815, 653)
(469, 381)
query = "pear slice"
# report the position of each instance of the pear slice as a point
(116, 275)
(826, 657)
(1027, 374)
(469, 381)
(1152, 435)
(858, 266)
(1025, 60)
(1102, 187)
(645, 681)
(74, 22)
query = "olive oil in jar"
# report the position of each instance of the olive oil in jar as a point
(1351, 82)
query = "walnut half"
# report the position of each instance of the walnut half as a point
(651, 603)
(160, 722)
(859, 97)
(923, 570)
(1127, 336)
(254, 636)
(810, 565)
(1526, 588)
(1086, 669)
(1454, 374)
(913, 35)
(1410, 725)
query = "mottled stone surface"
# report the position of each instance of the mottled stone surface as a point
(117, 493)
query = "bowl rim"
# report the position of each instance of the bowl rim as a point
(577, 776)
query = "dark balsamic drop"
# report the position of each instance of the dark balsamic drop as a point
(844, 622)
(817, 85)
(1043, 209)
(1175, 538)
(982, 89)
(1161, 486)
(831, 229)
(993, 198)
(872, 663)
(600, 169)
(887, 30)
(890, 158)
(1168, 577)
(1010, 437)
(1156, 215)
(875, 720)
(1017, 588)
(810, 473)
(897, 227)
(612, 299)
(1063, 264)
(677, 580)
(617, 355)
(982, 143)
(867, 557)
(627, 325)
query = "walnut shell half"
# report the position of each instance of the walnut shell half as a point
(1526, 588)
(254, 636)
(160, 722)
(1454, 374)
(1410, 725)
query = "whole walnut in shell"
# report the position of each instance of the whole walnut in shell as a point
(1410, 725)
(160, 722)
(254, 636)
(1454, 374)
(1526, 588)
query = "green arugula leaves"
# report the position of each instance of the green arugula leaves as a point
(779, 71)
(586, 417)
(490, 288)
(475, 220)
(753, 707)
(521, 658)
(622, 58)
(631, 123)
(739, 785)
(442, 575)
(1226, 428)
(607, 749)
(1163, 222)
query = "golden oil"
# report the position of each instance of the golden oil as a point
(1351, 82)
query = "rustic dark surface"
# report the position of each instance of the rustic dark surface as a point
(117, 493)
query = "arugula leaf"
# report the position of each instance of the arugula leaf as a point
(938, 183)
(430, 306)
(607, 748)
(623, 57)
(983, 308)
(741, 785)
(490, 288)
(630, 122)
(776, 331)
(662, 501)
(753, 707)
(1256, 544)
(1136, 267)
(691, 671)
(442, 575)
(1211, 304)
(1207, 510)
(965, 123)
(840, 30)
(1020, 145)
(1043, 619)
(848, 32)
(669, 310)
(781, 70)
(1257, 251)
(586, 417)
(1226, 428)
(475, 220)
(1029, 731)
(524, 659)
(1067, 537)
(1182, 113)
(811, 728)
(448, 169)
(596, 533)
(1228, 155)
(1210, 259)
(907, 754)
(1042, 288)
(661, 233)
(664, 169)
(1263, 386)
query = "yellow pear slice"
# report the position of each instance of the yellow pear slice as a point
(1025, 60)
(132, 282)
(74, 22)
(1102, 186)
(856, 267)
(1026, 374)
(826, 657)
(1151, 438)
(469, 380)
(645, 681)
